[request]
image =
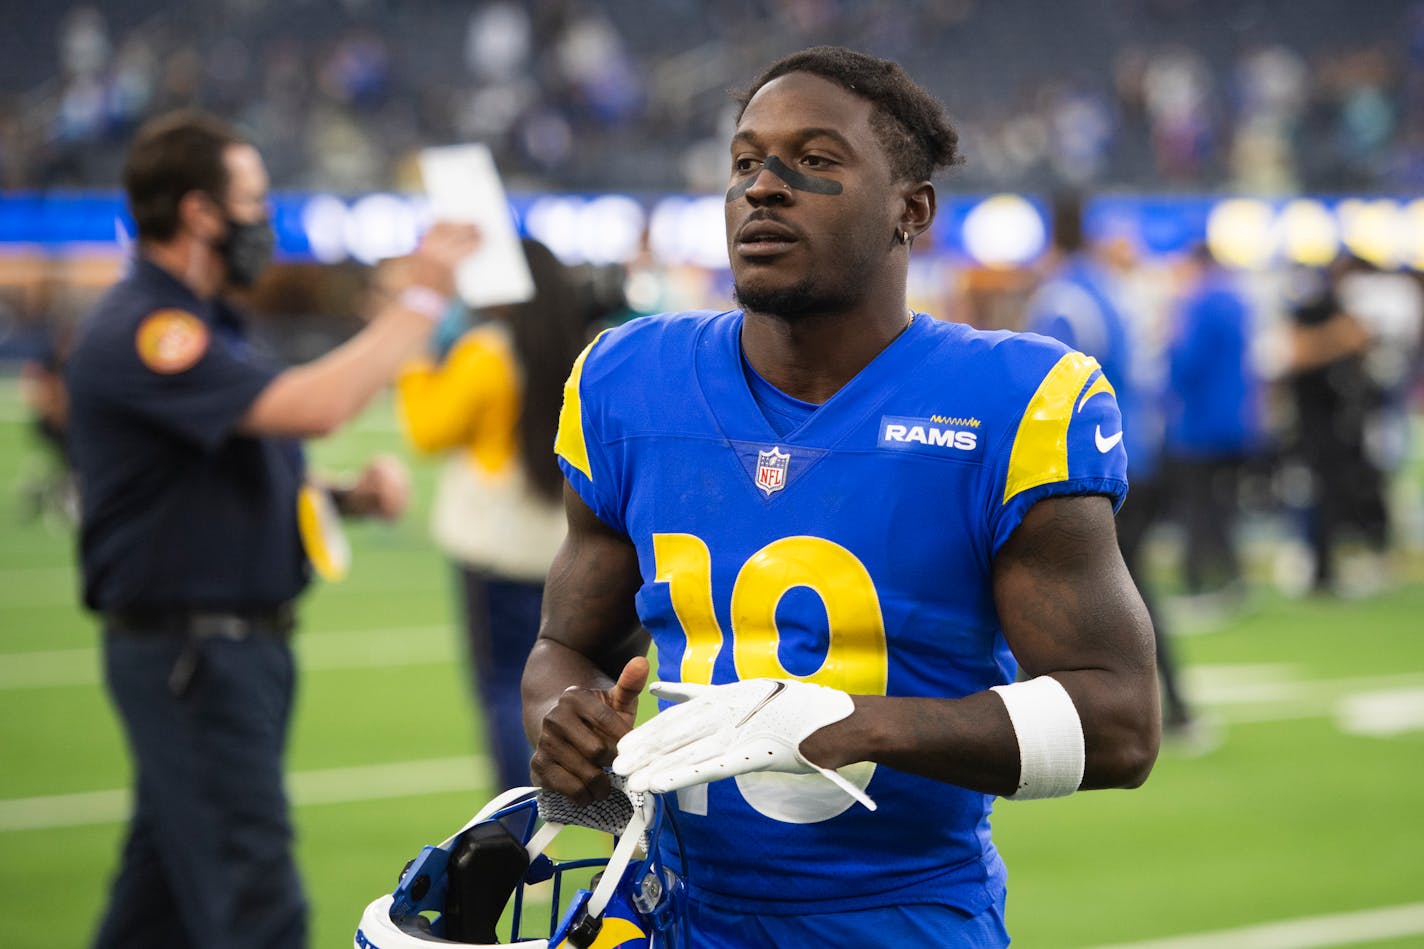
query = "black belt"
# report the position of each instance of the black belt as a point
(194, 626)
(275, 621)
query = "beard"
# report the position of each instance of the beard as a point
(807, 298)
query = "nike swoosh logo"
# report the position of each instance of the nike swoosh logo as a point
(1107, 444)
(777, 686)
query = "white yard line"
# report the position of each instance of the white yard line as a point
(1256, 694)
(1382, 713)
(1307, 932)
(326, 786)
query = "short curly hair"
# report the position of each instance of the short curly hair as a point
(911, 123)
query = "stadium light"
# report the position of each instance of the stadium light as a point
(1004, 231)
(1241, 232)
(1309, 233)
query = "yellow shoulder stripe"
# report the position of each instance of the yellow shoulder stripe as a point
(1040, 452)
(570, 444)
(1099, 386)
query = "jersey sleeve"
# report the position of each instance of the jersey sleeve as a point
(183, 379)
(1069, 441)
(582, 444)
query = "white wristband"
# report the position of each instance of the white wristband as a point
(429, 303)
(1050, 736)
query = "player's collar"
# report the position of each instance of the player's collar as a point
(730, 400)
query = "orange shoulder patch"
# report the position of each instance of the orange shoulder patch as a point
(170, 341)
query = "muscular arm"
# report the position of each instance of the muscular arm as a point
(1069, 610)
(316, 398)
(583, 677)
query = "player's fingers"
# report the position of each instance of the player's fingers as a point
(640, 746)
(580, 785)
(674, 777)
(669, 748)
(677, 691)
(655, 771)
(623, 697)
(665, 734)
(582, 727)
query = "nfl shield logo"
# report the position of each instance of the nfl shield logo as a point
(771, 469)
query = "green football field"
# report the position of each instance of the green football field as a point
(1301, 827)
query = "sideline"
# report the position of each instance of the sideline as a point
(1309, 932)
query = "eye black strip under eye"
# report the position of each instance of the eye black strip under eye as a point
(797, 180)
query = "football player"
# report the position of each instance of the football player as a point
(875, 552)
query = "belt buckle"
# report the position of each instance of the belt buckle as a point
(220, 626)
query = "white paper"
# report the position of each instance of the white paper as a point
(464, 185)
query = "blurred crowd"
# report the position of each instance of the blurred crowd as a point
(1274, 407)
(1258, 96)
(1272, 415)
(1145, 94)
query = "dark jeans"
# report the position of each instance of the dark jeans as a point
(1348, 500)
(501, 624)
(208, 861)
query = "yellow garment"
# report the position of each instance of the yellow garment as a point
(485, 514)
(471, 400)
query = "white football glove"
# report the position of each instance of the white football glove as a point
(725, 730)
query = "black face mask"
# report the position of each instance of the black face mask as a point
(247, 250)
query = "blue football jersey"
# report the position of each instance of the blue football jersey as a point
(854, 552)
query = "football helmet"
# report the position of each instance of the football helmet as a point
(455, 893)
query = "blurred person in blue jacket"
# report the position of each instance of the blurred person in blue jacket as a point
(1080, 302)
(1213, 417)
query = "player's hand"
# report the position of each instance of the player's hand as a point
(579, 736)
(723, 730)
(382, 489)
